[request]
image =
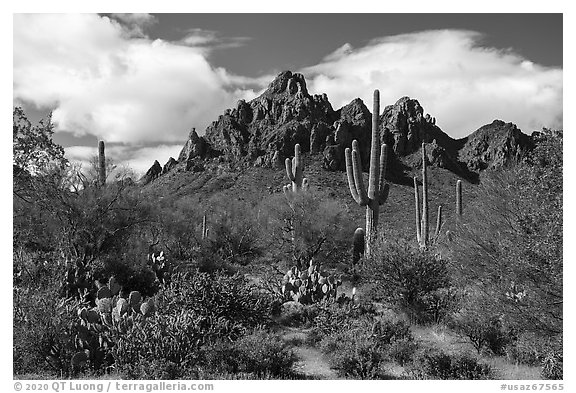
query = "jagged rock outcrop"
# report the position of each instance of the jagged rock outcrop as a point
(170, 164)
(285, 114)
(404, 126)
(493, 145)
(354, 123)
(151, 174)
(195, 146)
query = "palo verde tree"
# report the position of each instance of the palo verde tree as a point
(512, 233)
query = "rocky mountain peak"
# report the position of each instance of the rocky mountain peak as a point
(405, 126)
(494, 145)
(263, 131)
(288, 83)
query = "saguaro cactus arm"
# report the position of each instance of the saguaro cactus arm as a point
(438, 222)
(418, 218)
(354, 174)
(384, 188)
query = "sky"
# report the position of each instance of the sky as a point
(140, 82)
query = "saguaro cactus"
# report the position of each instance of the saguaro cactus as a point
(422, 220)
(295, 172)
(204, 228)
(101, 164)
(459, 198)
(377, 188)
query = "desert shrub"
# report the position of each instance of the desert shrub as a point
(259, 353)
(193, 310)
(387, 331)
(358, 343)
(478, 321)
(402, 351)
(36, 269)
(173, 338)
(553, 365)
(435, 364)
(414, 280)
(530, 348)
(233, 234)
(230, 298)
(42, 338)
(527, 349)
(336, 317)
(157, 369)
(534, 350)
(395, 338)
(308, 226)
(355, 354)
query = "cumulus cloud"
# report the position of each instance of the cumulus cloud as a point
(461, 83)
(118, 88)
(134, 25)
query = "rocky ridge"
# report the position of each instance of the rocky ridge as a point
(263, 132)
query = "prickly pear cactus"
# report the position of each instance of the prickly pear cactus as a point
(309, 285)
(99, 328)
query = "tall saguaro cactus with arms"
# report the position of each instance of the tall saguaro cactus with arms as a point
(377, 187)
(295, 172)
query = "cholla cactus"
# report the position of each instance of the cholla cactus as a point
(422, 220)
(309, 285)
(378, 189)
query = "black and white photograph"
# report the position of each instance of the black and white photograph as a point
(256, 196)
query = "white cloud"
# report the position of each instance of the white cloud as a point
(135, 24)
(459, 82)
(119, 88)
(211, 39)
